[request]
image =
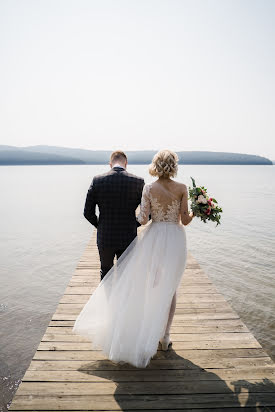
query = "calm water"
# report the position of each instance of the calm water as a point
(43, 234)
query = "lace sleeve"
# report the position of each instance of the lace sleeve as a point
(145, 208)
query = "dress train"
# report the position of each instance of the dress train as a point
(128, 312)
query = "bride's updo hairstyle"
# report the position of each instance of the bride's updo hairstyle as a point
(164, 164)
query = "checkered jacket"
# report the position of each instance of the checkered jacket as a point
(117, 194)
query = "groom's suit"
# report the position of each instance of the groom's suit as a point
(117, 194)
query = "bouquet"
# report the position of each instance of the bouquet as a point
(202, 205)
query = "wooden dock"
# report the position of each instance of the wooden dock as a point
(215, 363)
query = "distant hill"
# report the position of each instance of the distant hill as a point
(34, 155)
(16, 156)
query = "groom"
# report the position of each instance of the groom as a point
(117, 194)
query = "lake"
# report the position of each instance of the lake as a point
(44, 233)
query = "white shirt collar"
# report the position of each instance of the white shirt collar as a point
(117, 165)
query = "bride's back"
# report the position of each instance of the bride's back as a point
(165, 200)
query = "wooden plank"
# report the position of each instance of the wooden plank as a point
(176, 323)
(201, 330)
(186, 307)
(84, 290)
(176, 337)
(237, 409)
(177, 345)
(194, 297)
(179, 316)
(153, 402)
(137, 388)
(192, 354)
(156, 364)
(214, 364)
(181, 375)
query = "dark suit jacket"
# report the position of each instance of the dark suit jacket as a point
(117, 194)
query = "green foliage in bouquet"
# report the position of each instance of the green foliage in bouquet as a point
(202, 205)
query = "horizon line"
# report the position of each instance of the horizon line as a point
(132, 150)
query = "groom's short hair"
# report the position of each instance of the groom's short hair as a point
(118, 155)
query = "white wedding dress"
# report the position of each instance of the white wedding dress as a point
(126, 315)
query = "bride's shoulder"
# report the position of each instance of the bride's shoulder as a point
(179, 184)
(181, 187)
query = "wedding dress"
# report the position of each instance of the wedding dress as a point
(127, 314)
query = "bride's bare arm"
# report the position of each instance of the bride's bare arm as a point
(186, 217)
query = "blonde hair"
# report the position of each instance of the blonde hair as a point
(164, 164)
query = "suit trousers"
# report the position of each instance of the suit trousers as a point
(107, 255)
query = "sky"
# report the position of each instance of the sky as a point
(139, 74)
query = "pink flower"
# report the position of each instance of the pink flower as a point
(208, 210)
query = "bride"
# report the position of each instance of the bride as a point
(132, 308)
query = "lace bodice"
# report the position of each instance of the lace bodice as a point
(164, 210)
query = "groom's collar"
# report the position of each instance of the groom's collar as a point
(117, 166)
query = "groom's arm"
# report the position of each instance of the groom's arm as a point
(90, 205)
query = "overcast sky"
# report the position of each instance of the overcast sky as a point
(138, 74)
